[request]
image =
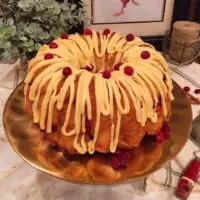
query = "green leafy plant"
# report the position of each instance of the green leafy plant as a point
(27, 24)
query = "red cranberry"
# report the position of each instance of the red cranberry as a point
(128, 71)
(130, 37)
(121, 158)
(158, 109)
(106, 74)
(115, 162)
(48, 56)
(127, 155)
(89, 68)
(88, 31)
(53, 45)
(167, 135)
(160, 137)
(117, 66)
(145, 55)
(118, 152)
(64, 36)
(166, 129)
(106, 31)
(123, 162)
(186, 89)
(197, 91)
(67, 71)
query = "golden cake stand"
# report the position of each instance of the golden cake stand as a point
(28, 141)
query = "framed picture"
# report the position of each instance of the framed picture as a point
(151, 32)
(141, 17)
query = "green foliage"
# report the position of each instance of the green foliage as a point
(27, 24)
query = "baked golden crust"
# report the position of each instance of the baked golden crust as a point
(131, 132)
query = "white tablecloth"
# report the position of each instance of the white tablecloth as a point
(20, 181)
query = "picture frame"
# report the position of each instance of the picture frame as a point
(141, 17)
(182, 10)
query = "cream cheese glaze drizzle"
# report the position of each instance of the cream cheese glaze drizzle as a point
(143, 87)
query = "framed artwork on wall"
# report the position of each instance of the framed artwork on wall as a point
(141, 17)
(127, 11)
(151, 28)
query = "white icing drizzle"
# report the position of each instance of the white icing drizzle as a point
(143, 88)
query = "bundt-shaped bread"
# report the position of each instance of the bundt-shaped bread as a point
(98, 91)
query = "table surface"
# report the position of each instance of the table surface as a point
(20, 181)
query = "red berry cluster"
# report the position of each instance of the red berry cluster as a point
(197, 91)
(106, 74)
(64, 36)
(117, 66)
(88, 32)
(48, 56)
(187, 89)
(120, 158)
(106, 32)
(145, 55)
(163, 134)
(89, 68)
(53, 45)
(128, 70)
(67, 71)
(130, 37)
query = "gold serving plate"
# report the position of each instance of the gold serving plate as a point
(28, 141)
